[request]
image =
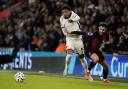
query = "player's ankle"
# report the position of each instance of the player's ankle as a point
(106, 81)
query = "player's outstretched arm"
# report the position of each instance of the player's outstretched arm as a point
(77, 32)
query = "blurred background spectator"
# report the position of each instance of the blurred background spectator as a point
(4, 4)
(35, 26)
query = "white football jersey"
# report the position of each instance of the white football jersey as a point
(69, 27)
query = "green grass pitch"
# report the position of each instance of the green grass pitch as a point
(54, 82)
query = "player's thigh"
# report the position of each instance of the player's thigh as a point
(69, 46)
(102, 60)
(79, 47)
(94, 57)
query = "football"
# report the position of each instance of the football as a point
(19, 77)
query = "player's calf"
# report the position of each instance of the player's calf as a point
(83, 61)
(67, 60)
(94, 59)
(87, 74)
(105, 71)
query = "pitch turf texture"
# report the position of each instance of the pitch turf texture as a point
(54, 82)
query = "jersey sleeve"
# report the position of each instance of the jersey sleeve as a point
(75, 17)
(77, 32)
(63, 26)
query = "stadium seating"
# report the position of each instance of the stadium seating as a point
(40, 21)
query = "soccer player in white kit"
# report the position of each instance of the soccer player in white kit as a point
(70, 22)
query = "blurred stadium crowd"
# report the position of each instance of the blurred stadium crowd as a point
(4, 4)
(36, 26)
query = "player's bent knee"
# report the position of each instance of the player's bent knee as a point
(81, 56)
(94, 58)
(94, 61)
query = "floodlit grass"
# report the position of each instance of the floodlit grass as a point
(52, 82)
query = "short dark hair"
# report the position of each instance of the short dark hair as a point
(67, 7)
(103, 24)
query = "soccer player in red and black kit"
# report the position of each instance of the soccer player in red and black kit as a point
(95, 44)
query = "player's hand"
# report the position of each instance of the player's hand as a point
(115, 54)
(70, 21)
